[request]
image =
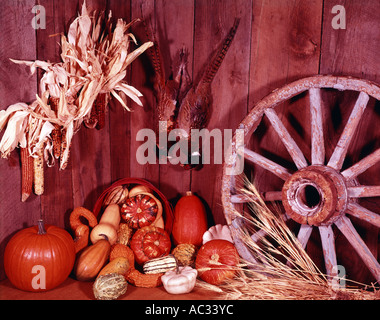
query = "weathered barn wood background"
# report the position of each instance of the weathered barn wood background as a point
(278, 41)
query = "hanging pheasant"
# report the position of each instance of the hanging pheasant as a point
(180, 105)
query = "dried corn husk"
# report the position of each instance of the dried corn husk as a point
(94, 62)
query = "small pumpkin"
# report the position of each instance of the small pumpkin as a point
(48, 247)
(109, 286)
(150, 242)
(91, 260)
(139, 211)
(216, 261)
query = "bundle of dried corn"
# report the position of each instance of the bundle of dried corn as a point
(95, 57)
(284, 271)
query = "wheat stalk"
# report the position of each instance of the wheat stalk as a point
(285, 271)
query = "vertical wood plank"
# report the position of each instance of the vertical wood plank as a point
(18, 41)
(57, 199)
(141, 79)
(119, 118)
(285, 46)
(213, 20)
(353, 51)
(90, 153)
(175, 180)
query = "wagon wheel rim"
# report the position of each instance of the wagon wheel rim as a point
(337, 189)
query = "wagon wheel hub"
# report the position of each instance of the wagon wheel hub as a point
(315, 195)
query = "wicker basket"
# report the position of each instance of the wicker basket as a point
(168, 210)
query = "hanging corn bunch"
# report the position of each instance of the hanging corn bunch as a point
(71, 92)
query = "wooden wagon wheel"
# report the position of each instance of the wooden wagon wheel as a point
(335, 188)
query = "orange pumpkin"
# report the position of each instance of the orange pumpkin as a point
(190, 220)
(39, 258)
(216, 261)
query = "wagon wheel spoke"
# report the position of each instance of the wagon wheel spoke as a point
(272, 195)
(236, 233)
(363, 191)
(328, 246)
(362, 165)
(267, 164)
(340, 151)
(345, 226)
(267, 196)
(257, 236)
(362, 213)
(304, 234)
(317, 140)
(292, 147)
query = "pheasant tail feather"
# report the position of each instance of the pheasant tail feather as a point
(155, 54)
(218, 59)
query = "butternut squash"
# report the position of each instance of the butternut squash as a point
(91, 260)
(108, 225)
(111, 215)
(138, 189)
(104, 231)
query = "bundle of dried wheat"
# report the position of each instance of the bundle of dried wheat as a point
(95, 57)
(285, 270)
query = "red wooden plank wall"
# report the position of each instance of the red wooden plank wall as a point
(277, 42)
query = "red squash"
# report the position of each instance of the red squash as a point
(216, 261)
(150, 242)
(190, 220)
(39, 258)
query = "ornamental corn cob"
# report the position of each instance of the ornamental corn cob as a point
(39, 172)
(26, 174)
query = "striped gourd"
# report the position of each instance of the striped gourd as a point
(160, 265)
(117, 195)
